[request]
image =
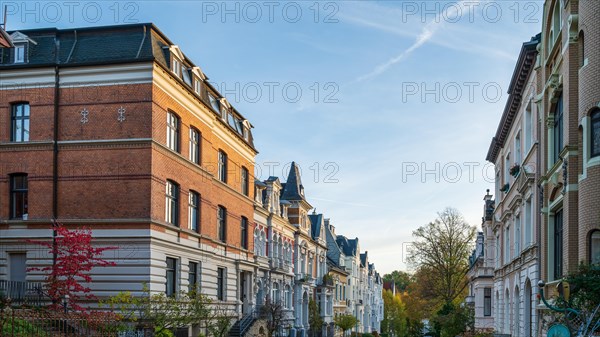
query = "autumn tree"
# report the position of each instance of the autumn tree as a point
(75, 259)
(394, 314)
(442, 248)
(274, 314)
(345, 322)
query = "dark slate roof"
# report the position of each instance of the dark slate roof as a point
(293, 191)
(141, 42)
(88, 46)
(348, 246)
(316, 221)
(363, 259)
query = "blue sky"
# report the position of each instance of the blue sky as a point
(399, 99)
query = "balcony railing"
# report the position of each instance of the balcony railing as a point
(19, 293)
(304, 278)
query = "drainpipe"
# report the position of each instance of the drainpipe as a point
(55, 152)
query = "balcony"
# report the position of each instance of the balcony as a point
(304, 278)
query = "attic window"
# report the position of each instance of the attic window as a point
(197, 85)
(214, 103)
(186, 77)
(176, 67)
(20, 53)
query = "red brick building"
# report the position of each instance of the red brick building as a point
(114, 128)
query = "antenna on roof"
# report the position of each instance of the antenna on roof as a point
(4, 19)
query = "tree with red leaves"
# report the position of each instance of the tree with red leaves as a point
(75, 258)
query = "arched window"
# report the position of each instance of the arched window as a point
(195, 145)
(173, 125)
(172, 203)
(595, 247)
(595, 133)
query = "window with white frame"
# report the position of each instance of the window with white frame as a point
(173, 124)
(194, 146)
(197, 85)
(194, 211)
(176, 67)
(19, 53)
(172, 203)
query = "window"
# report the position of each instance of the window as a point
(595, 134)
(528, 128)
(193, 276)
(172, 203)
(197, 86)
(19, 204)
(171, 274)
(222, 166)
(518, 149)
(517, 236)
(245, 183)
(244, 231)
(507, 169)
(221, 222)
(558, 244)
(287, 297)
(214, 103)
(581, 50)
(507, 245)
(17, 268)
(221, 284)
(176, 67)
(497, 257)
(194, 146)
(194, 211)
(173, 132)
(558, 129)
(275, 293)
(19, 53)
(487, 301)
(528, 223)
(595, 247)
(20, 122)
(186, 76)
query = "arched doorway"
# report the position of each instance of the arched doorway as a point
(527, 310)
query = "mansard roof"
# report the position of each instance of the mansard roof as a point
(111, 45)
(348, 246)
(316, 221)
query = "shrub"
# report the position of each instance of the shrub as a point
(21, 328)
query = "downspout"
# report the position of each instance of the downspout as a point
(55, 151)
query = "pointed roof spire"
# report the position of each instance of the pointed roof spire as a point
(293, 186)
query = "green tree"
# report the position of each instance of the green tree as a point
(394, 314)
(443, 247)
(345, 322)
(314, 318)
(400, 278)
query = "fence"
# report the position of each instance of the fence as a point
(48, 323)
(22, 293)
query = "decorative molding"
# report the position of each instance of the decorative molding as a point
(85, 116)
(121, 114)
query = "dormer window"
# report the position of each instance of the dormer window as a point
(197, 85)
(214, 102)
(186, 76)
(176, 67)
(20, 53)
